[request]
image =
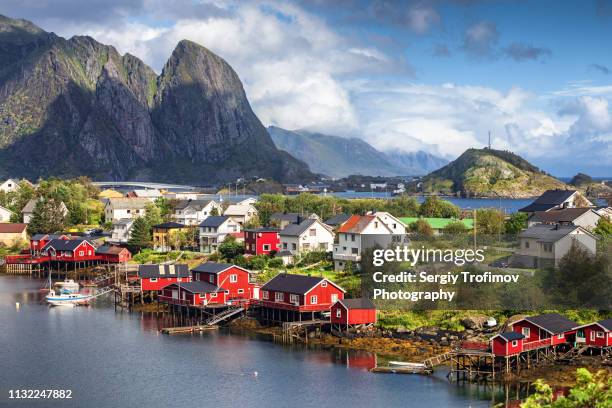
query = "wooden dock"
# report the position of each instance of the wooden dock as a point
(188, 329)
(402, 370)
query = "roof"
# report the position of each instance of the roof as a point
(547, 233)
(212, 267)
(10, 228)
(295, 230)
(65, 244)
(198, 287)
(553, 323)
(214, 221)
(548, 200)
(356, 223)
(110, 250)
(605, 324)
(359, 303)
(48, 237)
(170, 225)
(147, 193)
(29, 207)
(128, 203)
(293, 218)
(439, 223)
(169, 271)
(564, 215)
(262, 229)
(510, 336)
(296, 284)
(197, 204)
(110, 193)
(338, 219)
(239, 209)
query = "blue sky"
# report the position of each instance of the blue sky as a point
(404, 75)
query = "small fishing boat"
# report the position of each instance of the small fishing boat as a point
(403, 364)
(67, 284)
(67, 299)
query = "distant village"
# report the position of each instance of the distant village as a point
(229, 234)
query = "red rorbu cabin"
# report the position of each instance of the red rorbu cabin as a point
(261, 241)
(113, 254)
(347, 312)
(507, 344)
(38, 242)
(157, 277)
(233, 279)
(196, 293)
(597, 334)
(69, 250)
(287, 297)
(550, 329)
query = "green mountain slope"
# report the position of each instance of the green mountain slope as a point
(74, 106)
(485, 172)
(340, 156)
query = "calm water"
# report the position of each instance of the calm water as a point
(114, 359)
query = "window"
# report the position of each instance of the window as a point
(233, 278)
(313, 232)
(284, 245)
(600, 335)
(294, 298)
(153, 279)
(294, 246)
(560, 336)
(240, 291)
(375, 224)
(353, 237)
(279, 297)
(334, 298)
(265, 294)
(514, 343)
(324, 284)
(338, 312)
(354, 251)
(81, 253)
(179, 279)
(266, 247)
(211, 278)
(526, 244)
(526, 331)
(213, 295)
(313, 300)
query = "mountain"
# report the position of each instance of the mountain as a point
(340, 156)
(72, 107)
(488, 172)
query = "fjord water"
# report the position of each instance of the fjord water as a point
(115, 359)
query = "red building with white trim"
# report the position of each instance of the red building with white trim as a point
(157, 277)
(507, 344)
(550, 329)
(113, 254)
(261, 241)
(348, 312)
(196, 293)
(597, 334)
(38, 242)
(69, 250)
(288, 297)
(234, 279)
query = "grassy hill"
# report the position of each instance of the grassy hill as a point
(490, 173)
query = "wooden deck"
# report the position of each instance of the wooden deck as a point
(188, 329)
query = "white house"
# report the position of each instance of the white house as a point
(309, 235)
(395, 225)
(118, 208)
(240, 212)
(28, 209)
(9, 185)
(5, 214)
(150, 193)
(556, 200)
(361, 232)
(122, 230)
(580, 217)
(213, 231)
(193, 212)
(544, 245)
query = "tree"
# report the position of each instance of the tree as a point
(490, 221)
(165, 208)
(455, 227)
(230, 249)
(47, 217)
(141, 234)
(591, 390)
(436, 208)
(603, 228)
(516, 223)
(152, 215)
(214, 211)
(422, 228)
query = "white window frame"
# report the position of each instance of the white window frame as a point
(233, 278)
(338, 312)
(265, 295)
(514, 343)
(279, 296)
(324, 284)
(240, 291)
(153, 279)
(600, 335)
(211, 278)
(81, 253)
(213, 295)
(526, 331)
(294, 298)
(313, 299)
(266, 247)
(560, 336)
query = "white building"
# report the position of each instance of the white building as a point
(150, 193)
(309, 235)
(9, 185)
(122, 230)
(119, 208)
(193, 212)
(213, 231)
(241, 213)
(361, 232)
(28, 209)
(5, 214)
(580, 217)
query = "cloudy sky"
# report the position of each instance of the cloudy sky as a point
(414, 75)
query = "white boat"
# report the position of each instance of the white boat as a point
(67, 299)
(68, 284)
(406, 365)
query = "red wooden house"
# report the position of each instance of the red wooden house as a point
(157, 277)
(69, 250)
(197, 293)
(233, 279)
(545, 330)
(287, 297)
(38, 242)
(113, 254)
(261, 241)
(507, 343)
(597, 334)
(347, 312)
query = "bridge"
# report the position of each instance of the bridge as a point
(143, 184)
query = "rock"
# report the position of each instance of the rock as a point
(474, 322)
(402, 329)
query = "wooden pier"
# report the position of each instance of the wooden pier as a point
(188, 329)
(299, 331)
